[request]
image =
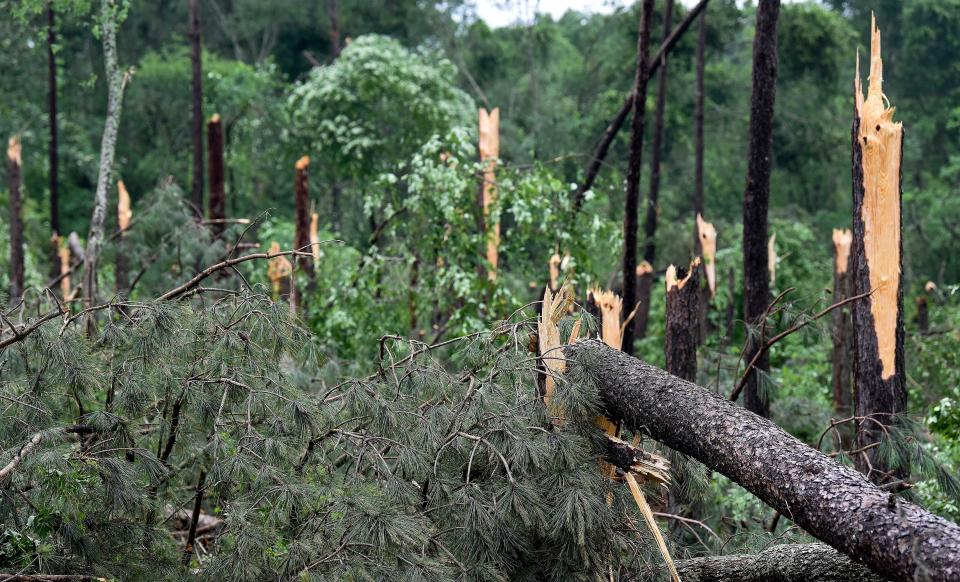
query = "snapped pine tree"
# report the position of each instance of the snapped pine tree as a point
(217, 212)
(196, 86)
(842, 333)
(706, 238)
(756, 195)
(301, 221)
(14, 176)
(682, 321)
(878, 368)
(124, 216)
(489, 152)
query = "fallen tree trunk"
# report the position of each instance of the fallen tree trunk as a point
(831, 502)
(783, 563)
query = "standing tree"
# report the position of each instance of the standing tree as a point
(682, 314)
(54, 155)
(489, 130)
(842, 339)
(878, 366)
(633, 171)
(698, 132)
(333, 13)
(109, 21)
(301, 221)
(193, 33)
(14, 175)
(756, 195)
(218, 195)
(653, 196)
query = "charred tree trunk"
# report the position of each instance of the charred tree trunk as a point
(878, 367)
(301, 241)
(333, 13)
(842, 331)
(15, 175)
(653, 196)
(923, 314)
(633, 171)
(828, 500)
(756, 195)
(600, 152)
(783, 563)
(218, 194)
(54, 141)
(680, 336)
(196, 192)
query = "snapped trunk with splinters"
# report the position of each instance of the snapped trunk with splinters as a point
(14, 173)
(489, 123)
(217, 208)
(682, 321)
(876, 267)
(301, 241)
(124, 216)
(707, 235)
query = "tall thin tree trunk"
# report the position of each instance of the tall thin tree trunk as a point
(124, 215)
(756, 195)
(218, 194)
(196, 195)
(301, 241)
(54, 138)
(633, 172)
(333, 12)
(108, 145)
(878, 367)
(15, 176)
(842, 332)
(680, 333)
(698, 209)
(653, 196)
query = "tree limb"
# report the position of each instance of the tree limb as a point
(781, 563)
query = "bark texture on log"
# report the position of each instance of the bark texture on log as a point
(682, 321)
(196, 56)
(14, 177)
(301, 241)
(633, 170)
(782, 563)
(653, 195)
(218, 192)
(756, 195)
(842, 331)
(831, 502)
(878, 367)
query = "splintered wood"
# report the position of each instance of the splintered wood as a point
(548, 332)
(554, 266)
(124, 210)
(772, 258)
(489, 152)
(315, 237)
(880, 140)
(842, 239)
(708, 248)
(278, 268)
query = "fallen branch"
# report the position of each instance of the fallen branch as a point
(831, 502)
(783, 563)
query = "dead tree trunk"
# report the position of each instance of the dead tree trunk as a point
(842, 332)
(756, 195)
(489, 130)
(603, 146)
(683, 309)
(115, 80)
(878, 366)
(333, 13)
(301, 241)
(782, 563)
(923, 314)
(653, 196)
(54, 156)
(633, 171)
(14, 175)
(124, 215)
(698, 132)
(828, 500)
(218, 194)
(193, 32)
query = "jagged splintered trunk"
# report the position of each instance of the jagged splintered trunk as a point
(830, 501)
(301, 241)
(633, 171)
(108, 145)
(683, 311)
(218, 194)
(783, 563)
(756, 195)
(842, 332)
(193, 32)
(653, 196)
(14, 176)
(124, 216)
(877, 320)
(489, 126)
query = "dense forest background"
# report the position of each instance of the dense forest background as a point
(382, 95)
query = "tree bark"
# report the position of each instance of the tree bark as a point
(653, 196)
(700, 95)
(196, 56)
(756, 195)
(842, 356)
(878, 367)
(782, 563)
(333, 13)
(15, 176)
(831, 502)
(108, 145)
(682, 315)
(301, 241)
(54, 156)
(923, 314)
(603, 146)
(218, 194)
(633, 171)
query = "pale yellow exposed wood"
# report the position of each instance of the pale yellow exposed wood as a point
(302, 163)
(554, 266)
(930, 287)
(14, 150)
(315, 237)
(489, 152)
(880, 140)
(278, 268)
(708, 249)
(652, 524)
(772, 258)
(842, 239)
(671, 276)
(63, 251)
(124, 208)
(548, 333)
(644, 268)
(611, 311)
